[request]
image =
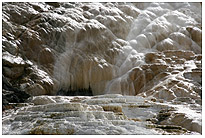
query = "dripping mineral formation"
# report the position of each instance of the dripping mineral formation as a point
(102, 68)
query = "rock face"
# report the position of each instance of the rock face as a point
(166, 75)
(11, 95)
(151, 51)
(90, 45)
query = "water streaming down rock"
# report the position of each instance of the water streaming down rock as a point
(165, 29)
(150, 51)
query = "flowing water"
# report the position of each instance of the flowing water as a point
(140, 61)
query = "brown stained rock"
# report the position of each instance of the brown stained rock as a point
(46, 57)
(165, 95)
(36, 90)
(167, 60)
(161, 76)
(196, 127)
(80, 46)
(112, 108)
(46, 130)
(149, 75)
(180, 61)
(198, 57)
(139, 84)
(135, 119)
(80, 51)
(110, 23)
(181, 39)
(163, 115)
(181, 92)
(195, 75)
(13, 72)
(158, 68)
(42, 101)
(31, 45)
(156, 73)
(178, 118)
(181, 119)
(129, 10)
(134, 74)
(196, 34)
(188, 55)
(184, 86)
(77, 99)
(54, 4)
(154, 57)
(151, 57)
(19, 13)
(12, 61)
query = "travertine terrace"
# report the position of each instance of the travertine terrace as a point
(102, 68)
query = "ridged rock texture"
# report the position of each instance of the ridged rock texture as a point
(102, 68)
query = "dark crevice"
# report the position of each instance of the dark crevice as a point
(78, 92)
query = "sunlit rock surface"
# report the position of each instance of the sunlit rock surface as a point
(104, 114)
(149, 51)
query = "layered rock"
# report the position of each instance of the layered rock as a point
(165, 75)
(82, 45)
(60, 39)
(11, 95)
(105, 114)
(150, 51)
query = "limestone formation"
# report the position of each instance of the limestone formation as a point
(104, 114)
(102, 68)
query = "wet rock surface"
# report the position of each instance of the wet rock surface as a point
(104, 114)
(116, 68)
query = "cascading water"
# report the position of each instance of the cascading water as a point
(159, 27)
(111, 68)
(90, 61)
